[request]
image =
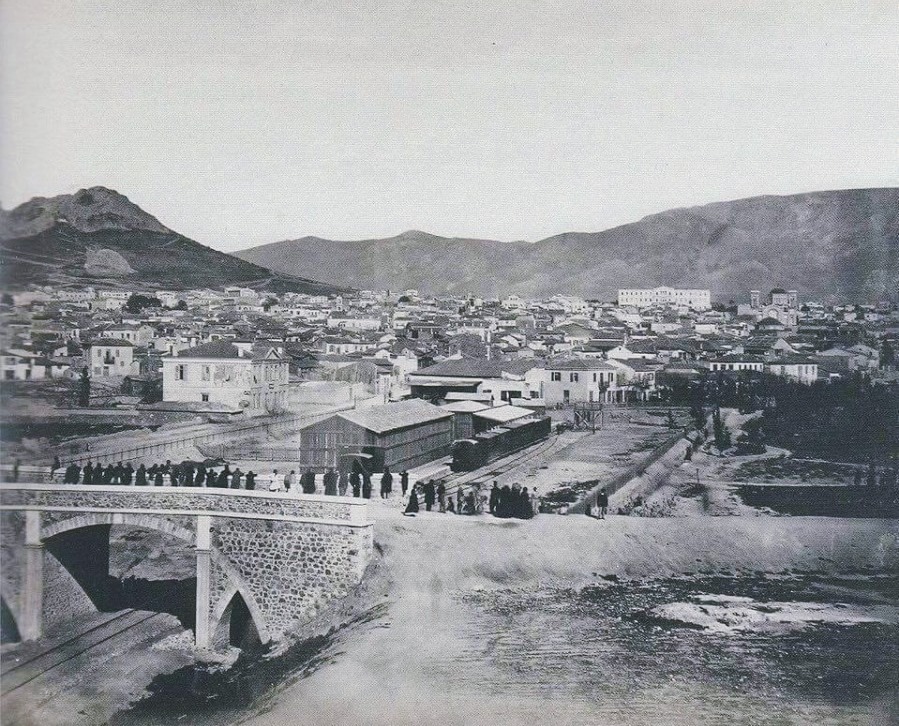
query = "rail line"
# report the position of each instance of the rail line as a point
(22, 673)
(500, 466)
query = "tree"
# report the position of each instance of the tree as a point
(138, 302)
(84, 388)
(720, 431)
(887, 354)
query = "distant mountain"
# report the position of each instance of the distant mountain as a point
(97, 236)
(830, 246)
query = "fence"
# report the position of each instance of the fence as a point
(624, 477)
(157, 445)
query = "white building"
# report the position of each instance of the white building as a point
(254, 378)
(649, 297)
(111, 357)
(577, 380)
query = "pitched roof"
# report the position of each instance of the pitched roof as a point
(502, 414)
(578, 364)
(392, 416)
(110, 342)
(465, 406)
(463, 368)
(216, 349)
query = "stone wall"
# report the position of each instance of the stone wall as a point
(287, 556)
(292, 570)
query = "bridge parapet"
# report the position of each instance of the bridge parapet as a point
(284, 555)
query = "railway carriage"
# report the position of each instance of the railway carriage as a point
(488, 446)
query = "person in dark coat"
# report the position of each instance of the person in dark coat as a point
(450, 505)
(68, 475)
(527, 511)
(236, 477)
(109, 476)
(88, 475)
(343, 483)
(330, 482)
(602, 504)
(221, 481)
(412, 504)
(430, 493)
(200, 476)
(127, 474)
(505, 507)
(404, 482)
(366, 485)
(441, 497)
(158, 478)
(386, 483)
(494, 497)
(140, 477)
(355, 482)
(251, 480)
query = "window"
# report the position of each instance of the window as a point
(574, 377)
(594, 378)
(204, 397)
(207, 373)
(180, 372)
(556, 376)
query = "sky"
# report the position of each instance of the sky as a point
(242, 122)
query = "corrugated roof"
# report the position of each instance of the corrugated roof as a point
(391, 416)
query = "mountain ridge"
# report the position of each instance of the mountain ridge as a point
(830, 245)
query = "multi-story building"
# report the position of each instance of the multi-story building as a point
(239, 376)
(110, 357)
(649, 297)
(577, 380)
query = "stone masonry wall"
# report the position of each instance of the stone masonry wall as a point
(293, 569)
(213, 500)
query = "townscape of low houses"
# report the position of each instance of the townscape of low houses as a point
(241, 352)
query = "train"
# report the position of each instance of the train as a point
(488, 446)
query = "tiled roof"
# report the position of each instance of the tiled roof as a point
(217, 349)
(578, 364)
(110, 342)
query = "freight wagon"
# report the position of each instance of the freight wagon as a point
(488, 446)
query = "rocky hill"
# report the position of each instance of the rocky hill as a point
(832, 245)
(97, 236)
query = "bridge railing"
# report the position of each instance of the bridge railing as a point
(178, 500)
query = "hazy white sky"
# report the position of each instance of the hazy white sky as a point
(240, 122)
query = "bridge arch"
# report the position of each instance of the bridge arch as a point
(236, 584)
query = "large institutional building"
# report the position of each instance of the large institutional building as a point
(644, 298)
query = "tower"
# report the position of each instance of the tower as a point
(755, 298)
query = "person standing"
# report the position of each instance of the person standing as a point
(157, 478)
(310, 481)
(128, 474)
(429, 495)
(274, 482)
(355, 482)
(236, 477)
(494, 497)
(404, 482)
(343, 483)
(412, 504)
(330, 483)
(251, 480)
(200, 478)
(366, 485)
(386, 483)
(441, 497)
(290, 481)
(88, 476)
(602, 503)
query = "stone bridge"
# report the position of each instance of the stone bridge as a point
(275, 559)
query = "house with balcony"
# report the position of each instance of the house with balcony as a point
(577, 380)
(111, 357)
(253, 378)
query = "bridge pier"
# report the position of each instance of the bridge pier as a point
(32, 595)
(202, 636)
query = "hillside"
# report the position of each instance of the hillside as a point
(832, 245)
(97, 236)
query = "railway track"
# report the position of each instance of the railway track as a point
(14, 674)
(500, 467)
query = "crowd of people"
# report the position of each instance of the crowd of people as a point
(504, 502)
(356, 482)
